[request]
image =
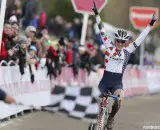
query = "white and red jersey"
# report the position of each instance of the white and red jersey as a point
(116, 61)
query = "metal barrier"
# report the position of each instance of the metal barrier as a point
(8, 63)
(11, 62)
(128, 66)
(3, 62)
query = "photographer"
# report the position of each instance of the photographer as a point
(11, 43)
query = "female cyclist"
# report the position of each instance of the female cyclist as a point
(116, 58)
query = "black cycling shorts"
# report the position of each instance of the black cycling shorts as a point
(110, 82)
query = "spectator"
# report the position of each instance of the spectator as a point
(62, 52)
(77, 27)
(75, 57)
(52, 62)
(14, 9)
(55, 58)
(42, 19)
(12, 42)
(85, 62)
(31, 35)
(70, 30)
(31, 32)
(57, 26)
(89, 34)
(6, 32)
(69, 53)
(15, 30)
(32, 59)
(54, 44)
(30, 13)
(13, 19)
(21, 53)
(31, 56)
(44, 30)
(40, 45)
(45, 40)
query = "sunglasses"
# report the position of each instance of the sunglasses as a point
(120, 41)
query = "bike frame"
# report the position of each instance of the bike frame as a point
(104, 111)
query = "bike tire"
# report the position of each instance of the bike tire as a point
(92, 126)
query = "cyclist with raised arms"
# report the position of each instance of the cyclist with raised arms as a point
(116, 58)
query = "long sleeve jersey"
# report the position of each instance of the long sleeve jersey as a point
(116, 61)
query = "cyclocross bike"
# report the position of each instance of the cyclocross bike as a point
(103, 112)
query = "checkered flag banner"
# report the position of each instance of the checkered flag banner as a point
(75, 102)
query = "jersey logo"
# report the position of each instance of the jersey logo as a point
(134, 44)
(119, 53)
(117, 59)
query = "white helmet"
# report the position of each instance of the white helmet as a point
(121, 35)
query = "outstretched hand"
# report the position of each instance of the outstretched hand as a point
(153, 20)
(94, 8)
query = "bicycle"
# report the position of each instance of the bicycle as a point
(103, 112)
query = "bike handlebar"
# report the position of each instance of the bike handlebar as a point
(112, 96)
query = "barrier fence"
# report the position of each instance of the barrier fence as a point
(136, 82)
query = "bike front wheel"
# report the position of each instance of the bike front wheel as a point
(92, 126)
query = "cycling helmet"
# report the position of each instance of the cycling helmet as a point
(121, 36)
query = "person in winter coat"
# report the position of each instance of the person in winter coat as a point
(6, 31)
(52, 62)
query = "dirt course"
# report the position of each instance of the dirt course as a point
(136, 114)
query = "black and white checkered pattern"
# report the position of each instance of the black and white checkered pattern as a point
(75, 101)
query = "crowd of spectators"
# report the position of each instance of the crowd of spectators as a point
(28, 39)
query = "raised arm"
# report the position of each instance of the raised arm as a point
(142, 36)
(100, 25)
